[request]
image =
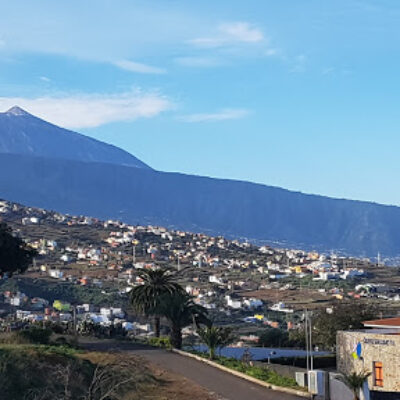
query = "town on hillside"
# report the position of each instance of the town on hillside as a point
(85, 269)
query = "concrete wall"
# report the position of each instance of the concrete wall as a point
(285, 370)
(339, 391)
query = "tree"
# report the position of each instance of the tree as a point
(180, 310)
(15, 254)
(355, 382)
(273, 337)
(214, 337)
(146, 298)
(297, 337)
(343, 317)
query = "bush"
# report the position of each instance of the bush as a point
(273, 337)
(263, 373)
(58, 329)
(163, 342)
(28, 370)
(35, 335)
(56, 372)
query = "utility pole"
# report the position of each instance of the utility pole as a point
(311, 348)
(134, 242)
(74, 321)
(179, 263)
(306, 336)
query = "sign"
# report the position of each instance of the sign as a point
(380, 342)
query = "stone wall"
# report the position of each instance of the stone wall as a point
(375, 347)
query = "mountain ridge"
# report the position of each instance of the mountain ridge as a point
(24, 133)
(221, 207)
(105, 186)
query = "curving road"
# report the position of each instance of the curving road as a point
(224, 385)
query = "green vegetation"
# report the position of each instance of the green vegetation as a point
(355, 382)
(180, 311)
(263, 373)
(37, 372)
(15, 254)
(26, 371)
(55, 290)
(147, 298)
(35, 335)
(344, 317)
(162, 341)
(274, 337)
(214, 337)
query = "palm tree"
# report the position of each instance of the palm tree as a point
(180, 310)
(214, 337)
(355, 382)
(146, 298)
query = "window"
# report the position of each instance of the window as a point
(378, 374)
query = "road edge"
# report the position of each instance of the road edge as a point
(242, 375)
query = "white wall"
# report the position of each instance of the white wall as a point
(339, 391)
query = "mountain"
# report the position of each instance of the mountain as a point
(23, 133)
(108, 189)
(214, 206)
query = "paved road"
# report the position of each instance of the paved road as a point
(226, 386)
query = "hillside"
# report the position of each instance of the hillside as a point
(231, 208)
(35, 371)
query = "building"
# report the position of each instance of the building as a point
(375, 350)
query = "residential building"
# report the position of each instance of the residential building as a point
(375, 350)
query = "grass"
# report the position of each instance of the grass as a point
(65, 291)
(31, 371)
(163, 342)
(26, 370)
(263, 373)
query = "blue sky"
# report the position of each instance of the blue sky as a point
(302, 94)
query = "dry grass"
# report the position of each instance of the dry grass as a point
(170, 386)
(158, 385)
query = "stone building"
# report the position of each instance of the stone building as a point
(375, 350)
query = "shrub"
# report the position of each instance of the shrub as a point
(46, 372)
(36, 335)
(163, 342)
(263, 373)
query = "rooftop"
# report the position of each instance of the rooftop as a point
(383, 323)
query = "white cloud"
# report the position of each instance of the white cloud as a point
(91, 110)
(242, 32)
(231, 33)
(138, 67)
(201, 62)
(45, 79)
(223, 115)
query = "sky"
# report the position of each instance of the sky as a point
(303, 94)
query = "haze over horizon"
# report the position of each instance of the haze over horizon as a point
(287, 94)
